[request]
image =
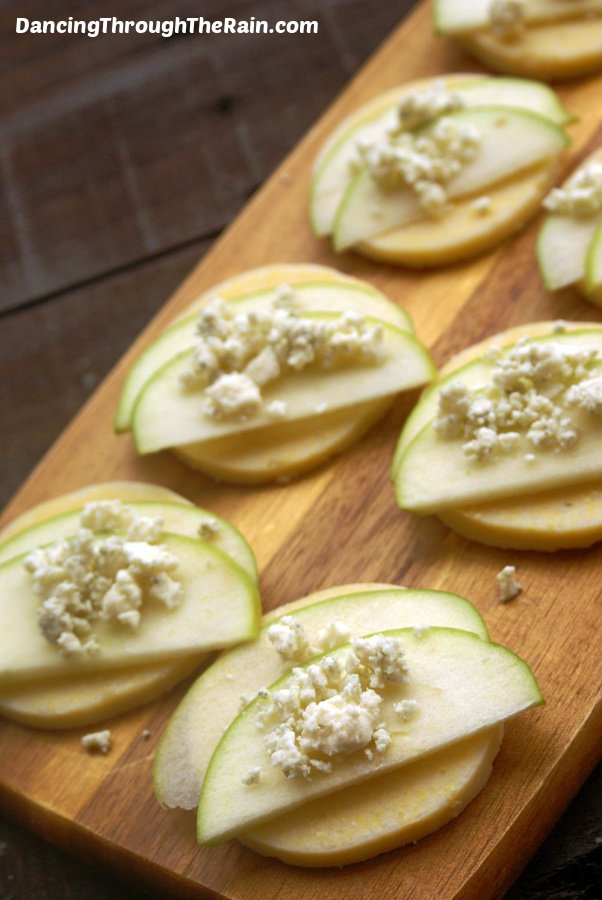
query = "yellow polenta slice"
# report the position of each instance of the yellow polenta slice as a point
(553, 520)
(465, 232)
(389, 811)
(548, 51)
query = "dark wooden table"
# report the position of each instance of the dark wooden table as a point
(121, 160)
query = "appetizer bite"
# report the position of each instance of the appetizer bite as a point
(569, 247)
(547, 39)
(504, 447)
(349, 742)
(265, 382)
(110, 595)
(439, 170)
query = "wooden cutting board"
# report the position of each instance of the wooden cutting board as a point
(340, 525)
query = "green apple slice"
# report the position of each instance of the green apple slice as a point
(475, 374)
(457, 16)
(434, 474)
(278, 451)
(370, 122)
(512, 141)
(220, 606)
(310, 297)
(127, 491)
(166, 416)
(178, 518)
(593, 268)
(214, 700)
(389, 811)
(450, 671)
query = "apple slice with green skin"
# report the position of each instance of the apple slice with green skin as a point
(458, 16)
(214, 700)
(593, 268)
(372, 120)
(309, 297)
(564, 241)
(512, 141)
(178, 518)
(166, 416)
(280, 452)
(450, 670)
(550, 52)
(464, 232)
(475, 372)
(391, 810)
(434, 474)
(126, 491)
(220, 607)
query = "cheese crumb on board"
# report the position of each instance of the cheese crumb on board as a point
(331, 707)
(507, 586)
(86, 578)
(237, 354)
(529, 396)
(97, 742)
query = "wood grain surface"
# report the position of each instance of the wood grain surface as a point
(105, 807)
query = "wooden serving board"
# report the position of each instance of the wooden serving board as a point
(341, 525)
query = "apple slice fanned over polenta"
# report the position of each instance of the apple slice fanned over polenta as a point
(336, 754)
(511, 429)
(122, 589)
(438, 171)
(264, 384)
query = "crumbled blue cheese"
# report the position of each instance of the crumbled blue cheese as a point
(237, 354)
(253, 776)
(332, 635)
(581, 196)
(507, 18)
(290, 641)
(482, 205)
(332, 707)
(405, 709)
(507, 586)
(88, 577)
(97, 742)
(208, 529)
(532, 388)
(423, 162)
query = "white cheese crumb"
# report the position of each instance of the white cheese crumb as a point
(507, 585)
(208, 529)
(289, 640)
(421, 629)
(97, 742)
(105, 515)
(146, 734)
(277, 409)
(253, 776)
(230, 676)
(332, 635)
(482, 205)
(405, 709)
